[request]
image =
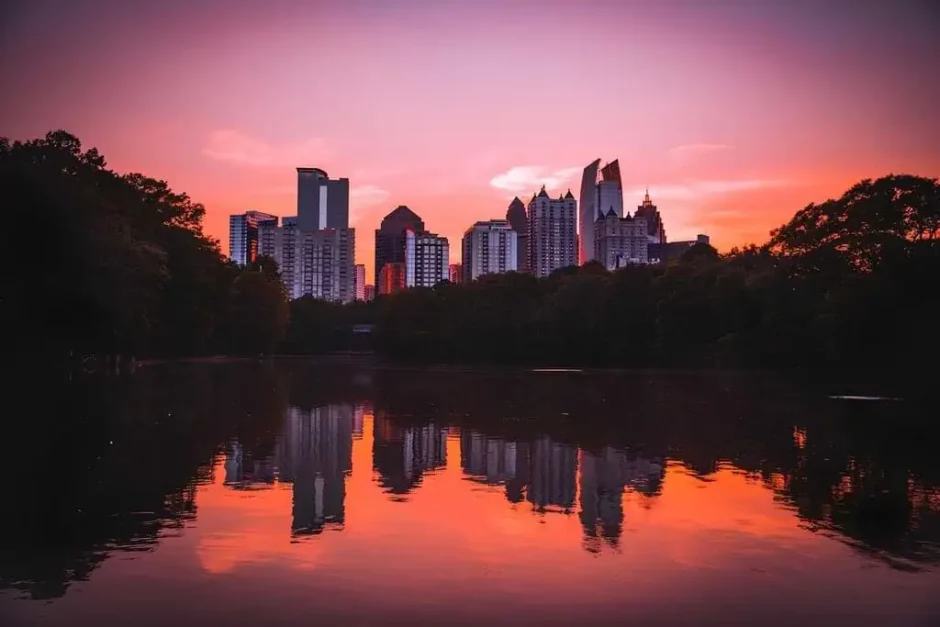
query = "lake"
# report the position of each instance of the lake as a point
(341, 493)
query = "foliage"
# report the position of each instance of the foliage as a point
(106, 264)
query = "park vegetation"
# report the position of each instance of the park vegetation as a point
(101, 264)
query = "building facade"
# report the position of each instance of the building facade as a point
(455, 272)
(601, 191)
(390, 237)
(620, 241)
(488, 247)
(664, 253)
(243, 235)
(370, 292)
(359, 289)
(656, 230)
(322, 202)
(427, 259)
(519, 221)
(551, 239)
(316, 263)
(392, 278)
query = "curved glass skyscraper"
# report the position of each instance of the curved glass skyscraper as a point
(601, 191)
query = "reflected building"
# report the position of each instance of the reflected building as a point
(495, 461)
(402, 454)
(243, 472)
(315, 455)
(604, 477)
(554, 468)
(359, 412)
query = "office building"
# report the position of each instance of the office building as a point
(359, 287)
(243, 235)
(426, 259)
(392, 279)
(551, 237)
(519, 221)
(370, 292)
(322, 202)
(316, 263)
(601, 192)
(655, 229)
(487, 248)
(620, 241)
(390, 238)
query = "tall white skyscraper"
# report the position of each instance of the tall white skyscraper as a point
(322, 202)
(360, 282)
(426, 259)
(552, 239)
(489, 247)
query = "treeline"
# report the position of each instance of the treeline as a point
(849, 282)
(101, 265)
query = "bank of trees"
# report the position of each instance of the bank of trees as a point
(99, 263)
(849, 282)
(103, 264)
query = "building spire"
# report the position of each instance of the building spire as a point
(646, 199)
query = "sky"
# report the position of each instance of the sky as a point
(734, 113)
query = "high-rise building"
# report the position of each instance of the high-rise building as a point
(370, 292)
(392, 279)
(243, 235)
(455, 272)
(601, 191)
(390, 238)
(519, 221)
(620, 241)
(316, 263)
(551, 238)
(360, 282)
(655, 229)
(426, 259)
(488, 247)
(322, 202)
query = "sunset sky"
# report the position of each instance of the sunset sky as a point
(734, 113)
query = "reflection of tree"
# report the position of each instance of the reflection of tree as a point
(108, 464)
(862, 471)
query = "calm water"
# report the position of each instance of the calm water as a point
(311, 494)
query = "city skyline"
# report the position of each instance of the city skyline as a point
(734, 116)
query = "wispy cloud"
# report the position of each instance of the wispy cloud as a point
(690, 152)
(531, 177)
(236, 147)
(363, 197)
(700, 189)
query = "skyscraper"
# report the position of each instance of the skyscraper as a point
(243, 235)
(317, 263)
(392, 278)
(455, 272)
(322, 202)
(601, 191)
(360, 282)
(620, 241)
(655, 228)
(426, 259)
(390, 238)
(488, 247)
(519, 221)
(551, 238)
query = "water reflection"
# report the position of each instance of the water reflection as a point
(721, 475)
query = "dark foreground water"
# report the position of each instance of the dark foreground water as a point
(298, 493)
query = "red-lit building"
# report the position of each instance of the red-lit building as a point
(392, 278)
(456, 272)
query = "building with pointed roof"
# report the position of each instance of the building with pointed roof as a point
(601, 190)
(619, 242)
(519, 221)
(552, 233)
(656, 230)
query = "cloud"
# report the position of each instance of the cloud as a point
(531, 177)
(236, 147)
(363, 197)
(690, 152)
(701, 189)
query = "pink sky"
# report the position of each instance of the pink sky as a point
(735, 114)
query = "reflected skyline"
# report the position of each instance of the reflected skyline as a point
(322, 500)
